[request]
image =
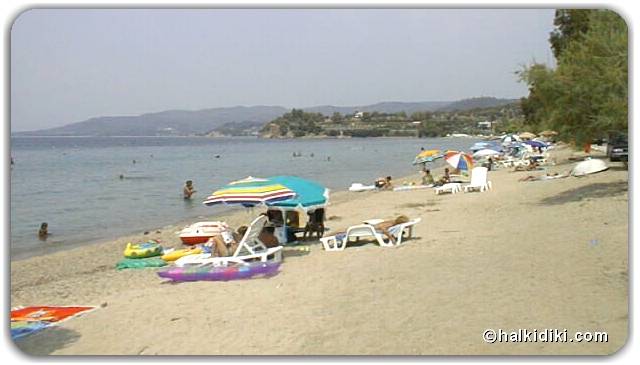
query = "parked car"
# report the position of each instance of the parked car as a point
(618, 147)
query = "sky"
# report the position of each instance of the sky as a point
(70, 65)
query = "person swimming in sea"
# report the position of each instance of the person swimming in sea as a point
(43, 232)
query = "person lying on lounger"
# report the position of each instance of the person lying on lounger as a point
(226, 243)
(533, 165)
(385, 225)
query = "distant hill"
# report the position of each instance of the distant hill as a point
(390, 107)
(219, 120)
(475, 103)
(171, 122)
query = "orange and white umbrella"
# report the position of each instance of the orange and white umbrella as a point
(459, 160)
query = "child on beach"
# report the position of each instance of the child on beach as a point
(427, 178)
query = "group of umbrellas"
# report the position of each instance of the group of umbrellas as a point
(464, 161)
(458, 159)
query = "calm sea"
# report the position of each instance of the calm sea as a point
(74, 185)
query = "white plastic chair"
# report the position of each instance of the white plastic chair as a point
(478, 180)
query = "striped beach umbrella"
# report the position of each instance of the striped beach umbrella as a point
(309, 194)
(459, 160)
(427, 156)
(250, 192)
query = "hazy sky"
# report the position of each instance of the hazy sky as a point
(70, 65)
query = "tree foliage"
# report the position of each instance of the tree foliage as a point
(298, 122)
(586, 96)
(570, 25)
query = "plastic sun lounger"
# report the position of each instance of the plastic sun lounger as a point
(478, 180)
(339, 242)
(450, 187)
(250, 248)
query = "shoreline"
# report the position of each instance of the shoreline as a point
(507, 258)
(231, 213)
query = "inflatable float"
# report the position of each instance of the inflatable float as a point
(200, 232)
(220, 273)
(140, 263)
(173, 255)
(142, 250)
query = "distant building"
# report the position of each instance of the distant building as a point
(358, 115)
(486, 124)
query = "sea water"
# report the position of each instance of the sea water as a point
(74, 184)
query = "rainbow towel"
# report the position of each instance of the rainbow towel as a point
(25, 321)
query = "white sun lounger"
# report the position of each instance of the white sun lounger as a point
(339, 242)
(250, 248)
(448, 188)
(478, 180)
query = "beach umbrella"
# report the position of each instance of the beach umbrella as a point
(527, 135)
(485, 145)
(250, 192)
(459, 160)
(485, 152)
(535, 144)
(427, 156)
(509, 138)
(309, 194)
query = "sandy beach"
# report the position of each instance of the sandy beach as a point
(524, 255)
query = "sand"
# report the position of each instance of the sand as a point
(530, 255)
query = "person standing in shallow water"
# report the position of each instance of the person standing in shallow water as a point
(44, 231)
(188, 189)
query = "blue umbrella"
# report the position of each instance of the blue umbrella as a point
(309, 194)
(485, 146)
(535, 144)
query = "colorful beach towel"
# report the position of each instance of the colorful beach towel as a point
(28, 320)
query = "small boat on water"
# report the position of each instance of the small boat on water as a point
(200, 232)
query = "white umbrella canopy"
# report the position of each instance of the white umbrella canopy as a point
(485, 153)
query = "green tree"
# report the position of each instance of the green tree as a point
(570, 25)
(586, 96)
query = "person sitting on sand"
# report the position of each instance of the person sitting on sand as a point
(385, 225)
(188, 189)
(444, 179)
(427, 178)
(384, 183)
(43, 232)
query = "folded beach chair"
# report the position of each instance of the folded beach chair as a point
(448, 188)
(250, 248)
(478, 180)
(399, 231)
